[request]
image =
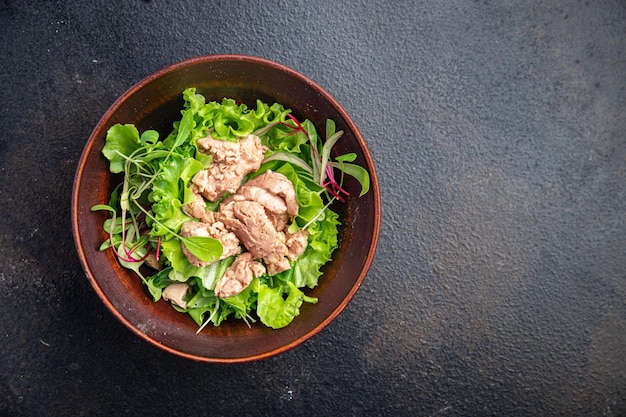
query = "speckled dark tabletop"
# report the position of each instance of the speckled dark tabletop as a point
(499, 133)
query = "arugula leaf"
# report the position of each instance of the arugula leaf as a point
(204, 248)
(182, 269)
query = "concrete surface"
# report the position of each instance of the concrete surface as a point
(499, 133)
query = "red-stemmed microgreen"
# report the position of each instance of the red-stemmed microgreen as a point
(139, 176)
(158, 249)
(322, 167)
(204, 248)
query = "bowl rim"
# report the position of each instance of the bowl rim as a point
(374, 188)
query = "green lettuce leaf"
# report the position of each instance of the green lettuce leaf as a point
(168, 193)
(121, 141)
(277, 312)
(182, 269)
(227, 120)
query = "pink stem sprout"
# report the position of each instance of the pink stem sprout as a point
(331, 185)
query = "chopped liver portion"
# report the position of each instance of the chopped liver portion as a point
(269, 188)
(232, 161)
(250, 223)
(239, 275)
(257, 214)
(197, 209)
(215, 230)
(176, 293)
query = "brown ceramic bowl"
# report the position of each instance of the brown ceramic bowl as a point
(155, 103)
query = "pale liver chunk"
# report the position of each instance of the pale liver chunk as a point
(232, 161)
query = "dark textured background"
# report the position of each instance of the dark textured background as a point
(499, 133)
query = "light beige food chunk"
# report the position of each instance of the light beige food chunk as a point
(232, 161)
(296, 244)
(197, 209)
(215, 230)
(258, 214)
(152, 261)
(239, 275)
(250, 223)
(176, 293)
(276, 185)
(270, 202)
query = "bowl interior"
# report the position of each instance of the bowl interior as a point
(155, 103)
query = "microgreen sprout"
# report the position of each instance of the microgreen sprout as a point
(322, 167)
(322, 170)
